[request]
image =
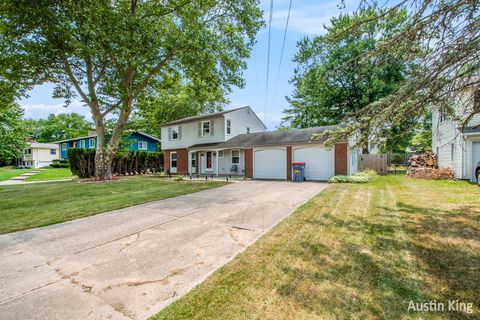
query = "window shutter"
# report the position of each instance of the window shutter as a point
(169, 134)
(179, 132)
(212, 128)
(200, 129)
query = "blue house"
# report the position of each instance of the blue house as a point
(136, 141)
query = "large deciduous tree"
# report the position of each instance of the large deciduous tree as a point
(58, 127)
(331, 85)
(13, 133)
(444, 39)
(112, 53)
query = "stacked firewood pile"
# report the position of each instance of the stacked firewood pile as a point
(425, 166)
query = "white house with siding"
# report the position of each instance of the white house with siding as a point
(37, 155)
(457, 147)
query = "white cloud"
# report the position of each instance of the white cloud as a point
(39, 110)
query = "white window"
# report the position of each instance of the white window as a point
(53, 152)
(27, 151)
(173, 160)
(452, 151)
(205, 128)
(248, 129)
(82, 144)
(235, 156)
(174, 133)
(142, 145)
(220, 153)
(91, 142)
(64, 146)
(229, 126)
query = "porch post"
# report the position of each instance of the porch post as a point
(216, 162)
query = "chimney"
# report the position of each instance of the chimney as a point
(92, 133)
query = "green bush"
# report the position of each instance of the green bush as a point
(358, 177)
(82, 162)
(57, 163)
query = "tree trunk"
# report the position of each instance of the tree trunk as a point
(103, 164)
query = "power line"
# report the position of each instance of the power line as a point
(281, 54)
(268, 59)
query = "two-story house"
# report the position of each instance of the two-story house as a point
(37, 155)
(135, 141)
(457, 147)
(235, 142)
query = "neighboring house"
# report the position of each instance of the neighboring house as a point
(37, 155)
(136, 141)
(235, 142)
(455, 147)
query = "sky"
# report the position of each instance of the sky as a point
(307, 19)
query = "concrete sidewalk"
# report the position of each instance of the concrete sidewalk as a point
(129, 263)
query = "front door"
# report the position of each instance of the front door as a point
(209, 161)
(193, 162)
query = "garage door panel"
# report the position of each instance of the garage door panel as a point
(270, 163)
(319, 162)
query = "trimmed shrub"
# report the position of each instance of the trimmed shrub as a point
(358, 177)
(57, 163)
(82, 162)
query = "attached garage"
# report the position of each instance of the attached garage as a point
(270, 163)
(319, 162)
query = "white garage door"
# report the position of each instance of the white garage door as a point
(270, 163)
(319, 162)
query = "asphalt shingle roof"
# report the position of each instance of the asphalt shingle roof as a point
(202, 116)
(273, 138)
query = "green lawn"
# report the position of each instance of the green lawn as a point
(50, 173)
(354, 252)
(34, 205)
(7, 173)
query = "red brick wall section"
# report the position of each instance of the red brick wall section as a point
(182, 160)
(248, 163)
(341, 159)
(166, 160)
(289, 163)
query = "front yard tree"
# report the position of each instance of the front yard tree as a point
(13, 133)
(110, 54)
(330, 84)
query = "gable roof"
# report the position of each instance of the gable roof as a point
(210, 116)
(272, 138)
(94, 136)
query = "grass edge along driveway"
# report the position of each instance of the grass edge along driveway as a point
(354, 252)
(36, 205)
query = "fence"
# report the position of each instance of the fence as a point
(377, 162)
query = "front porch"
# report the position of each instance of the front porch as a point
(216, 162)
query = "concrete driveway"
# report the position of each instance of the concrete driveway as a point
(129, 263)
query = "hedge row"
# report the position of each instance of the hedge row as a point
(82, 162)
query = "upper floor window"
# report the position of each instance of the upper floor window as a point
(64, 146)
(142, 145)
(205, 128)
(27, 151)
(174, 133)
(91, 142)
(82, 144)
(248, 129)
(53, 152)
(229, 127)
